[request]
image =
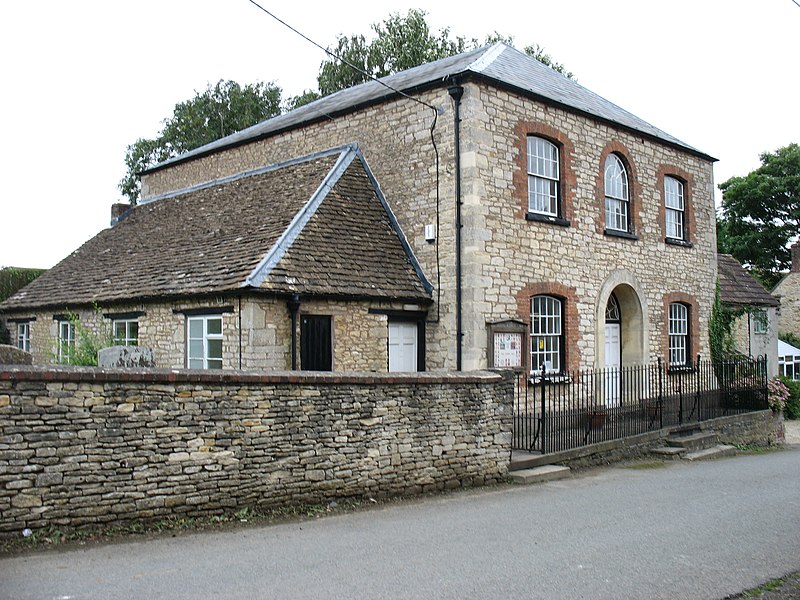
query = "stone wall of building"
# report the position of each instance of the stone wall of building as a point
(82, 446)
(750, 342)
(256, 330)
(788, 292)
(509, 258)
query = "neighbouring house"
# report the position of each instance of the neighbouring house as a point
(755, 329)
(556, 229)
(215, 276)
(788, 291)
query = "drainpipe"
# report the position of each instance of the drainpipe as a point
(456, 92)
(294, 306)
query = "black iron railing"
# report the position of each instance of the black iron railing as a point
(554, 412)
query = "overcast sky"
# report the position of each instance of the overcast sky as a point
(83, 79)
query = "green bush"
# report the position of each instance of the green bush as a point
(792, 409)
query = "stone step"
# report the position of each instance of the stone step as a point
(718, 451)
(539, 474)
(696, 441)
(521, 460)
(669, 452)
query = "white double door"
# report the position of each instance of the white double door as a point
(403, 346)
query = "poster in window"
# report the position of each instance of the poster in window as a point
(507, 350)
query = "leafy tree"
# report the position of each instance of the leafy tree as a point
(399, 44)
(13, 279)
(761, 214)
(220, 110)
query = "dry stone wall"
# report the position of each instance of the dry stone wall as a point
(81, 446)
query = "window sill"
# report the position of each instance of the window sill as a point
(620, 234)
(676, 242)
(550, 378)
(540, 218)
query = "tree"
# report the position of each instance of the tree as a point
(220, 110)
(402, 43)
(761, 214)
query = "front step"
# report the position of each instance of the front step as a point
(693, 442)
(539, 474)
(669, 452)
(718, 451)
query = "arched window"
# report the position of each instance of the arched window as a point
(543, 177)
(679, 350)
(675, 209)
(547, 334)
(617, 195)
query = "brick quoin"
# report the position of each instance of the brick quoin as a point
(568, 182)
(570, 315)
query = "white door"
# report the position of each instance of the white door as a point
(402, 346)
(613, 363)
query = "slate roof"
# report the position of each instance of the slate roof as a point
(737, 286)
(316, 225)
(498, 63)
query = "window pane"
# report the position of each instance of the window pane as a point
(195, 328)
(215, 326)
(214, 364)
(214, 349)
(196, 350)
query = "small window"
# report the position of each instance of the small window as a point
(679, 351)
(617, 195)
(547, 329)
(543, 177)
(760, 322)
(24, 336)
(126, 332)
(204, 347)
(675, 209)
(66, 341)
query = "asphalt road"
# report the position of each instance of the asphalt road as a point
(688, 530)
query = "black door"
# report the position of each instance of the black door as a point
(315, 343)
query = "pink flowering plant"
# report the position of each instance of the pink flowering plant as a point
(777, 394)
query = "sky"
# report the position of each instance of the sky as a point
(84, 79)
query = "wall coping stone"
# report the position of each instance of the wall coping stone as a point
(101, 375)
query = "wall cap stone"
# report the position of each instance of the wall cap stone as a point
(100, 375)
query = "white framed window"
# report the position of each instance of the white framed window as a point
(789, 366)
(24, 336)
(66, 341)
(679, 350)
(204, 342)
(547, 331)
(675, 209)
(617, 195)
(543, 176)
(126, 332)
(760, 322)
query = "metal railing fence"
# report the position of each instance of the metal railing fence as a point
(554, 412)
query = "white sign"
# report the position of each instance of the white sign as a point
(507, 350)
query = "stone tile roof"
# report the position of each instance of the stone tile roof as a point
(499, 63)
(317, 225)
(737, 286)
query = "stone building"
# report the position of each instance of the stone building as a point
(788, 291)
(557, 229)
(755, 330)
